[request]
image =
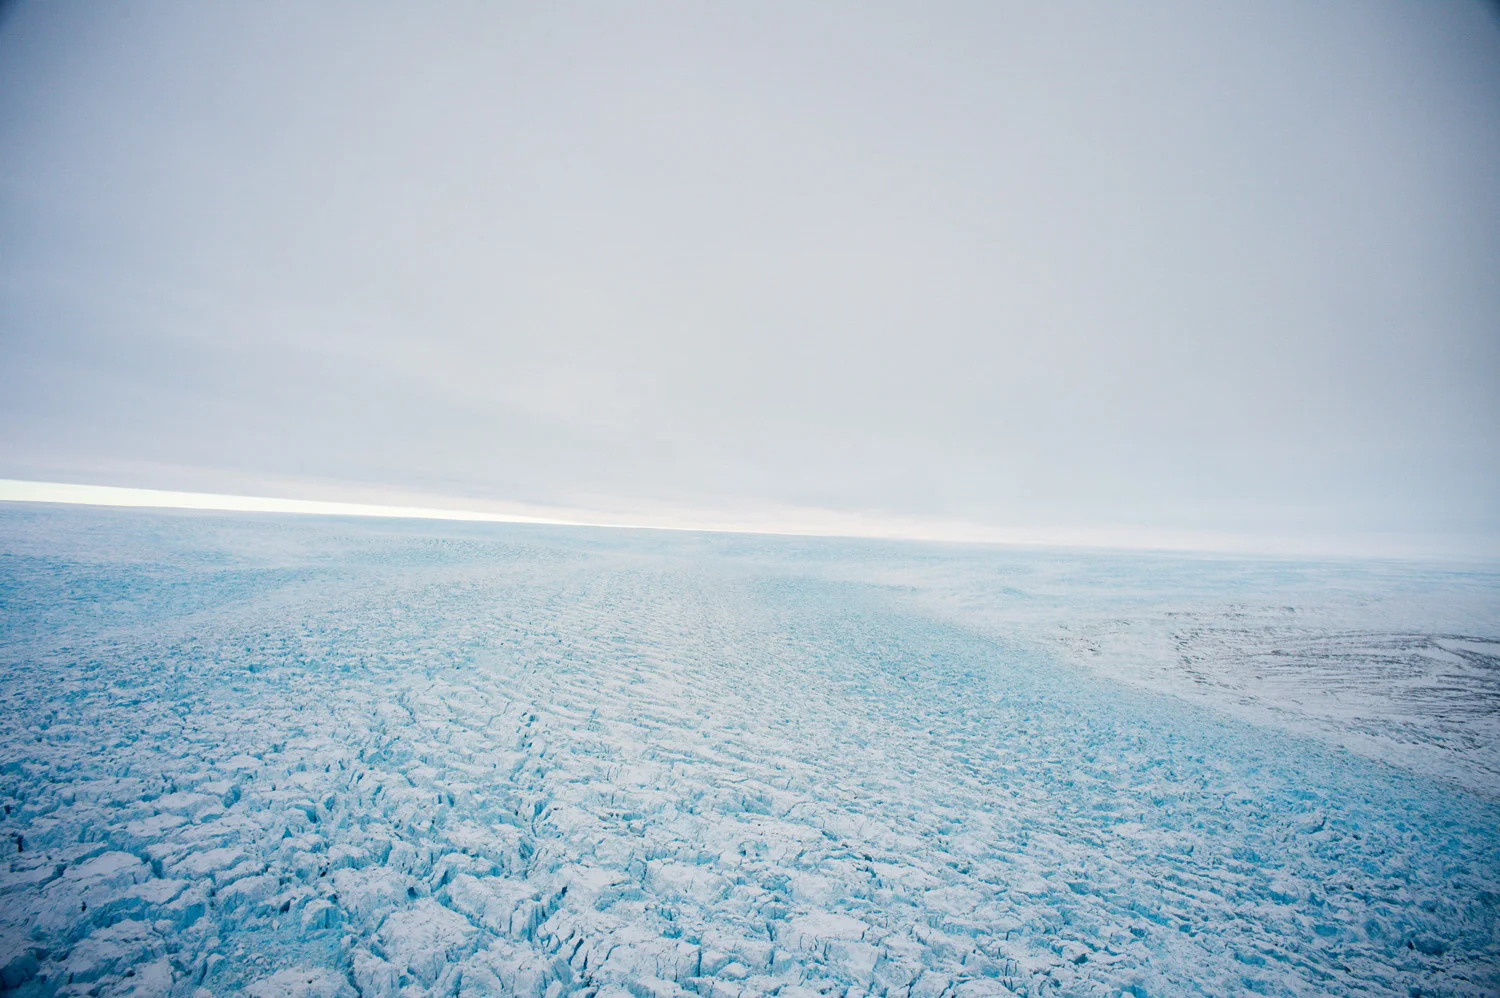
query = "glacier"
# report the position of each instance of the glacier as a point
(285, 756)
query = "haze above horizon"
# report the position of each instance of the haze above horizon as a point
(957, 272)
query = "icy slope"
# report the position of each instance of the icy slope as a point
(311, 758)
(1400, 662)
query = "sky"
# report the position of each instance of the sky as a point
(1196, 267)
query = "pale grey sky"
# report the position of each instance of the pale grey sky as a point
(1208, 266)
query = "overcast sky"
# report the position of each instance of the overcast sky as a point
(1202, 266)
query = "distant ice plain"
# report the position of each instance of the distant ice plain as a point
(290, 756)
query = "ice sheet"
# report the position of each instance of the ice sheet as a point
(287, 757)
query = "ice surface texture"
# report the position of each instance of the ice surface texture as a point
(306, 757)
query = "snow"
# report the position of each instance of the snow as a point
(299, 982)
(281, 757)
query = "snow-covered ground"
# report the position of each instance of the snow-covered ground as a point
(315, 757)
(1397, 661)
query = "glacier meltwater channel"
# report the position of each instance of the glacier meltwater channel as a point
(278, 756)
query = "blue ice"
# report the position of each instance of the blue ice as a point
(312, 757)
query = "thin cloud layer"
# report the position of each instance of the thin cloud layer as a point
(1077, 267)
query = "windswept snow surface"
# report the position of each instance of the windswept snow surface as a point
(284, 757)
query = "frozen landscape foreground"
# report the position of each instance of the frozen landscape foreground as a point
(285, 757)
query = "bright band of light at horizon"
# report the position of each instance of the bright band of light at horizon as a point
(790, 523)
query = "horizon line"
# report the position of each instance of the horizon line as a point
(841, 524)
